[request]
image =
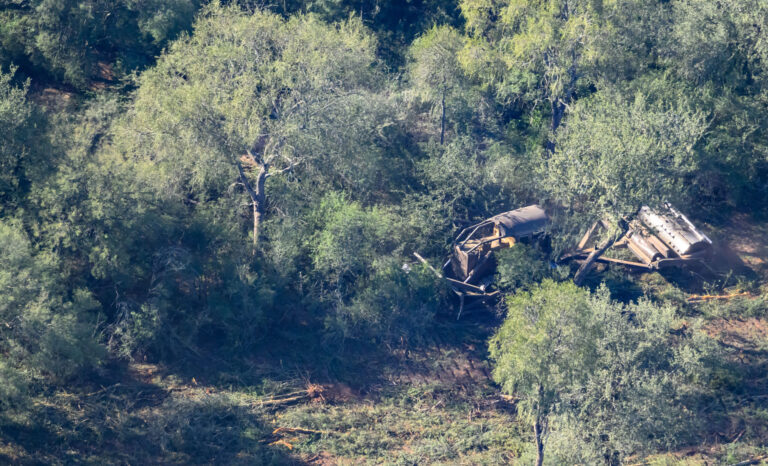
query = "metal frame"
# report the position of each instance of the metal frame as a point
(645, 262)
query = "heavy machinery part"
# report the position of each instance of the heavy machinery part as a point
(472, 251)
(659, 238)
(643, 249)
(523, 222)
(675, 230)
(516, 223)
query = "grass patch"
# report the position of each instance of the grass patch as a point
(413, 425)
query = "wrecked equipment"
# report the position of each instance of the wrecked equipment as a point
(658, 238)
(472, 251)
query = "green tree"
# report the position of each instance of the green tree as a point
(617, 154)
(435, 72)
(521, 267)
(46, 329)
(600, 380)
(67, 39)
(534, 50)
(718, 50)
(18, 120)
(628, 43)
(249, 97)
(358, 255)
(718, 42)
(545, 346)
(469, 180)
(169, 274)
(647, 388)
(396, 22)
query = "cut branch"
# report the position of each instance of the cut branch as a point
(299, 430)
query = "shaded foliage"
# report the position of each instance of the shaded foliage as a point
(599, 379)
(78, 42)
(230, 177)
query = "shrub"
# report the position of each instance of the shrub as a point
(599, 379)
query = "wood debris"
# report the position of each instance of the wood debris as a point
(707, 297)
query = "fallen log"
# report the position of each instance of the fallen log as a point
(298, 430)
(595, 254)
(281, 442)
(708, 297)
(752, 461)
(280, 401)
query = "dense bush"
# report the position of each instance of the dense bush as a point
(68, 39)
(601, 380)
(211, 180)
(19, 141)
(358, 255)
(47, 330)
(522, 267)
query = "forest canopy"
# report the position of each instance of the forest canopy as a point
(188, 182)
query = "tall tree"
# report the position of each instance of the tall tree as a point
(46, 327)
(533, 49)
(719, 50)
(248, 97)
(435, 71)
(545, 346)
(648, 388)
(395, 22)
(601, 379)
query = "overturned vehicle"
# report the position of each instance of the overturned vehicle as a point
(654, 239)
(472, 257)
(472, 251)
(657, 238)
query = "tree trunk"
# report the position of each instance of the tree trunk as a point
(594, 255)
(258, 197)
(442, 119)
(256, 223)
(591, 258)
(539, 443)
(558, 110)
(258, 204)
(559, 106)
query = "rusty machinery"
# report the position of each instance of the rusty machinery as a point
(472, 252)
(657, 238)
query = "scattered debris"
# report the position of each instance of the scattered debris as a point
(658, 238)
(312, 392)
(698, 298)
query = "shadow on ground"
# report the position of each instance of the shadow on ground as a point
(131, 420)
